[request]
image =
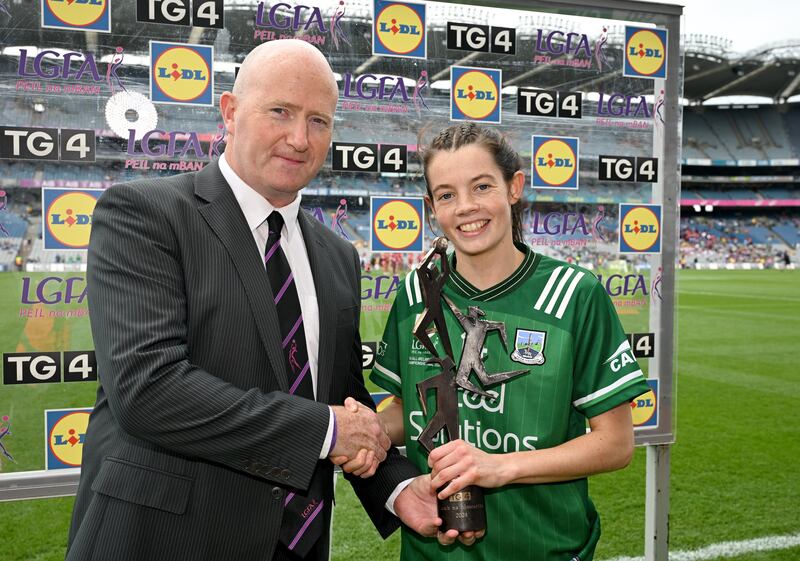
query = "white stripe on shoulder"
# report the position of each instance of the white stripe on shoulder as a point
(411, 278)
(559, 288)
(388, 373)
(608, 389)
(568, 296)
(550, 282)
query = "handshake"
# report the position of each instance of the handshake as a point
(362, 439)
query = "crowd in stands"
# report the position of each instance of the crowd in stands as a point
(735, 240)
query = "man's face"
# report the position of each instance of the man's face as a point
(280, 129)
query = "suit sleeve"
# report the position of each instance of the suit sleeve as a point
(374, 491)
(138, 310)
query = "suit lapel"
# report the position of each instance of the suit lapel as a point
(321, 271)
(221, 211)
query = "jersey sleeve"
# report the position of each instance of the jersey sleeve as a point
(606, 373)
(386, 371)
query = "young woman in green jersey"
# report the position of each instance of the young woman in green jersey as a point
(528, 447)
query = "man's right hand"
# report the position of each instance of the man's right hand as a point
(357, 428)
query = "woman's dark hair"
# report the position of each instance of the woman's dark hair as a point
(456, 136)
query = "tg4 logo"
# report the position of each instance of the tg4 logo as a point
(544, 103)
(46, 368)
(370, 157)
(197, 13)
(628, 168)
(481, 38)
(36, 143)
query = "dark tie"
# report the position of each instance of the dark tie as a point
(302, 523)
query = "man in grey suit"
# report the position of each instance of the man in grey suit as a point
(200, 445)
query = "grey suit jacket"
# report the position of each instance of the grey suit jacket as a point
(193, 442)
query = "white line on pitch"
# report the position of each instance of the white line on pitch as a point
(729, 549)
(732, 295)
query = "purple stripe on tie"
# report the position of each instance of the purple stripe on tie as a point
(306, 525)
(272, 250)
(291, 332)
(284, 287)
(299, 379)
(289, 497)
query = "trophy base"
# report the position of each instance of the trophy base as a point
(463, 511)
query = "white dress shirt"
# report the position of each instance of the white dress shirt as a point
(256, 209)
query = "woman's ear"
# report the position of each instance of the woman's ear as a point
(430, 214)
(515, 187)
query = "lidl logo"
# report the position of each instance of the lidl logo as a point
(554, 162)
(65, 433)
(645, 53)
(475, 94)
(645, 407)
(181, 73)
(77, 15)
(68, 217)
(397, 224)
(398, 29)
(639, 228)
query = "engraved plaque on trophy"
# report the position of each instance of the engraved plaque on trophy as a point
(465, 509)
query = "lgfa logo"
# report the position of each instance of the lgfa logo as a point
(77, 15)
(65, 431)
(644, 408)
(475, 94)
(639, 228)
(399, 29)
(181, 73)
(396, 224)
(68, 217)
(645, 53)
(554, 162)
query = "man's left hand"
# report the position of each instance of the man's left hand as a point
(416, 507)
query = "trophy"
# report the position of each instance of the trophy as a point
(463, 511)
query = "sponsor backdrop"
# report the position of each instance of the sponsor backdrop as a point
(102, 91)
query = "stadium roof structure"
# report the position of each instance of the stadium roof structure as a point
(712, 70)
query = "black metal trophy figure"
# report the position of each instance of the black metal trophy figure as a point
(463, 511)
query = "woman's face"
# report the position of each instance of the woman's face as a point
(471, 201)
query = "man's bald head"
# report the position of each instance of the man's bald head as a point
(279, 118)
(281, 55)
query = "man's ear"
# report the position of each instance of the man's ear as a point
(227, 108)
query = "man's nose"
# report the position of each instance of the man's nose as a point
(298, 136)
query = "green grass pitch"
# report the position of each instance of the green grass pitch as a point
(735, 468)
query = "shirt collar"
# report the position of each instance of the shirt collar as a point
(255, 207)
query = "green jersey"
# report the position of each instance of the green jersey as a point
(562, 328)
